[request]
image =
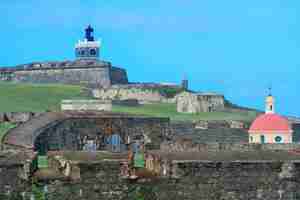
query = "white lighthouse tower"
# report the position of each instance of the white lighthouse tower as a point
(88, 48)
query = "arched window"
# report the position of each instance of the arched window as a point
(93, 52)
(262, 139)
(278, 139)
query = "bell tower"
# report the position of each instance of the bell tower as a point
(88, 48)
(270, 101)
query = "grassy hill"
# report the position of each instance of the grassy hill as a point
(42, 97)
(35, 98)
(169, 110)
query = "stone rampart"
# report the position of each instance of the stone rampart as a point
(92, 73)
(199, 102)
(86, 105)
(118, 76)
(188, 145)
(85, 76)
(17, 117)
(119, 93)
(67, 130)
(187, 176)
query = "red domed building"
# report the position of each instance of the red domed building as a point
(270, 127)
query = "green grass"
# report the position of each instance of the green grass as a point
(169, 110)
(42, 97)
(4, 127)
(35, 97)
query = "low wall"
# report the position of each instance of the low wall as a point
(187, 145)
(17, 117)
(180, 178)
(86, 105)
(115, 93)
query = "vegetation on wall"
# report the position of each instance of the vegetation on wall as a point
(169, 92)
(4, 127)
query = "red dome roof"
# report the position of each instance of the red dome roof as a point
(270, 122)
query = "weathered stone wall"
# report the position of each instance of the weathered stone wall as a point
(143, 92)
(17, 117)
(119, 93)
(15, 172)
(188, 145)
(118, 76)
(67, 134)
(93, 73)
(87, 76)
(190, 180)
(86, 105)
(195, 103)
(180, 179)
(208, 131)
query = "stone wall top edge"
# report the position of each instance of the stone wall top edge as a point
(57, 65)
(233, 161)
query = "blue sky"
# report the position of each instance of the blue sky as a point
(234, 47)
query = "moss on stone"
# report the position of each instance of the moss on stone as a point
(4, 127)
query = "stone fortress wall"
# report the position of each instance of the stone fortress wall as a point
(200, 102)
(143, 92)
(92, 73)
(181, 176)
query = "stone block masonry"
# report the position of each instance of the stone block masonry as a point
(92, 73)
(200, 102)
(85, 76)
(86, 105)
(186, 176)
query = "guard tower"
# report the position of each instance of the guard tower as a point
(88, 48)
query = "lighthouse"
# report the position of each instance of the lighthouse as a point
(88, 48)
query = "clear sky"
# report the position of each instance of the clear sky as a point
(234, 47)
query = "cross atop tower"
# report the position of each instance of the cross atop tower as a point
(270, 90)
(89, 33)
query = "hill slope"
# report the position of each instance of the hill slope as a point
(42, 97)
(169, 110)
(35, 98)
